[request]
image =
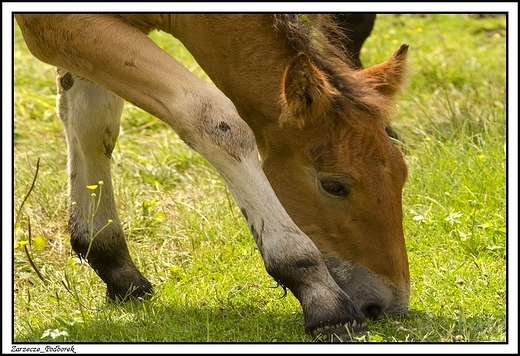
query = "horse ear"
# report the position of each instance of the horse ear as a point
(306, 92)
(388, 77)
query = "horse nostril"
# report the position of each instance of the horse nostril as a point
(372, 311)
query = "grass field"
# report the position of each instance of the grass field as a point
(189, 238)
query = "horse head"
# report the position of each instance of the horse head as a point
(340, 177)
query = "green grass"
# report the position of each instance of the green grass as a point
(188, 237)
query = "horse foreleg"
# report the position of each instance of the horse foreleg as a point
(91, 117)
(289, 255)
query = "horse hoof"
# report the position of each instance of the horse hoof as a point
(143, 290)
(344, 333)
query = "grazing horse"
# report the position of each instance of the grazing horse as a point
(323, 205)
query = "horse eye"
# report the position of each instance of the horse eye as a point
(335, 188)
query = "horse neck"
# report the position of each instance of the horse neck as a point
(244, 58)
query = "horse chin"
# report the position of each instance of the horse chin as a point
(370, 293)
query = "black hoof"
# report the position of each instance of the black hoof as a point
(141, 290)
(344, 333)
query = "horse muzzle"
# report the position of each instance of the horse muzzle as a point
(373, 295)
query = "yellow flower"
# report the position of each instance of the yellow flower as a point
(419, 30)
(92, 187)
(20, 243)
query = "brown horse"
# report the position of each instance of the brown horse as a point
(324, 205)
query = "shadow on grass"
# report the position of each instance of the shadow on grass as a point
(143, 321)
(146, 322)
(425, 327)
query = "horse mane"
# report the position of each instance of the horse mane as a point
(314, 35)
(320, 39)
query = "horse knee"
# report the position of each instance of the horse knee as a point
(217, 132)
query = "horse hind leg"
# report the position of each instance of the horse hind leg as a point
(91, 117)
